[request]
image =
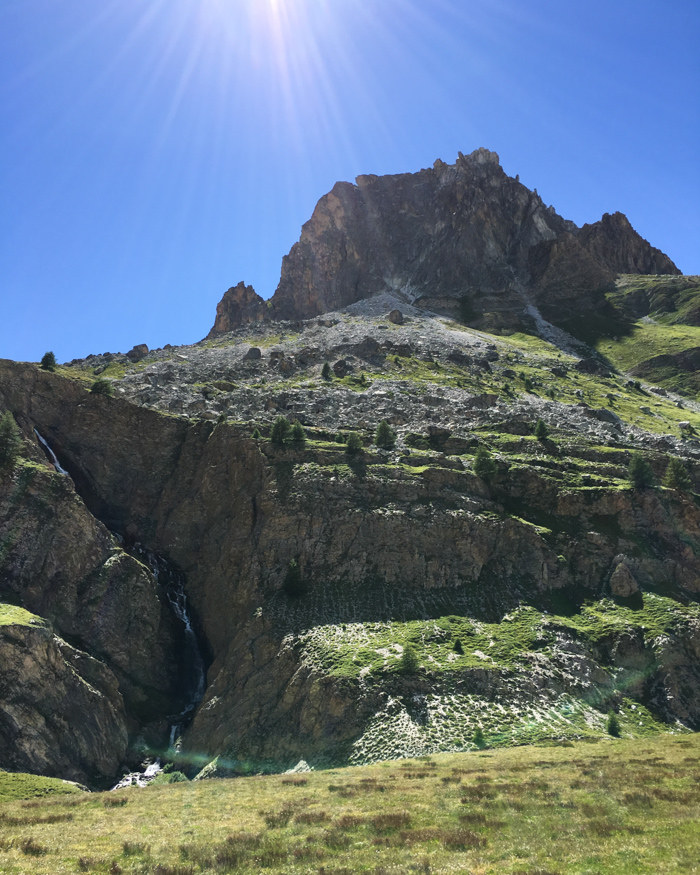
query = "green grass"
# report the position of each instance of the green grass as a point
(618, 807)
(646, 341)
(12, 615)
(19, 785)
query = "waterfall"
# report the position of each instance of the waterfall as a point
(194, 673)
(52, 456)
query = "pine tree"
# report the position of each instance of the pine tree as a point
(354, 444)
(458, 647)
(541, 430)
(298, 434)
(256, 434)
(639, 472)
(281, 430)
(326, 372)
(48, 362)
(676, 476)
(408, 664)
(385, 437)
(612, 725)
(10, 441)
(484, 465)
(102, 386)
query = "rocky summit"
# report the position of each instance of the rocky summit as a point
(440, 491)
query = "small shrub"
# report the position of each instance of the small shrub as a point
(458, 647)
(48, 362)
(10, 441)
(221, 418)
(527, 383)
(102, 386)
(278, 819)
(408, 663)
(484, 465)
(115, 868)
(612, 725)
(256, 436)
(354, 443)
(385, 438)
(391, 820)
(134, 849)
(298, 434)
(169, 778)
(639, 472)
(160, 869)
(115, 801)
(311, 817)
(541, 430)
(31, 848)
(294, 585)
(281, 430)
(326, 372)
(478, 738)
(676, 477)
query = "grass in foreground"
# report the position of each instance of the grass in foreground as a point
(613, 807)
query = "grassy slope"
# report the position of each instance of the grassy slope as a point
(618, 806)
(12, 615)
(19, 785)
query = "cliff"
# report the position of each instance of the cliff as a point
(452, 238)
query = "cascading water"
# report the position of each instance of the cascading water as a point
(52, 456)
(194, 673)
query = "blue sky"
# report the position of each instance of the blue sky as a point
(156, 152)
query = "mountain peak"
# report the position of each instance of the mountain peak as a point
(445, 238)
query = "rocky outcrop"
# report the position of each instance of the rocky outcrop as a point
(239, 306)
(614, 243)
(462, 238)
(61, 712)
(66, 567)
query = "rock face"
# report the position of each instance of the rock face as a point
(376, 545)
(66, 567)
(452, 237)
(62, 714)
(239, 306)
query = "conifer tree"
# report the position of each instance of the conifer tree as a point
(639, 472)
(385, 437)
(354, 443)
(281, 430)
(541, 430)
(48, 362)
(676, 477)
(298, 434)
(484, 465)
